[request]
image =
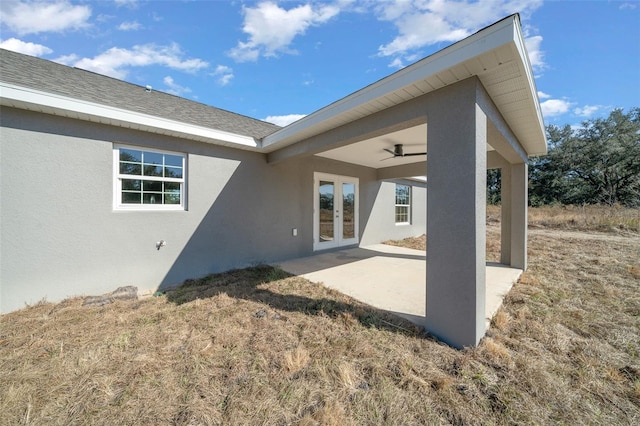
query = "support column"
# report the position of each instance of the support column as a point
(519, 201)
(505, 214)
(456, 219)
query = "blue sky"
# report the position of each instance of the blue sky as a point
(278, 61)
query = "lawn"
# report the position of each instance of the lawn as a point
(257, 346)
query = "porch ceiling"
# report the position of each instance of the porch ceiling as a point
(496, 55)
(371, 152)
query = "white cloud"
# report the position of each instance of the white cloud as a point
(536, 55)
(224, 74)
(283, 120)
(27, 48)
(397, 63)
(68, 60)
(130, 26)
(418, 30)
(543, 95)
(271, 29)
(115, 61)
(554, 107)
(422, 23)
(132, 4)
(588, 110)
(103, 17)
(40, 16)
(244, 52)
(174, 88)
(628, 6)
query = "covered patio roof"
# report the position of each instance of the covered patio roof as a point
(496, 55)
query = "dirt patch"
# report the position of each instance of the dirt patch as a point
(416, 243)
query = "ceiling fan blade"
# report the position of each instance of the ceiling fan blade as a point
(414, 153)
(390, 152)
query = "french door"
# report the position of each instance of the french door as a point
(335, 211)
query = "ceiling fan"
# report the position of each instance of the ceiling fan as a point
(398, 151)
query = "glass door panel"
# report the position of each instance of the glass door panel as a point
(348, 210)
(327, 223)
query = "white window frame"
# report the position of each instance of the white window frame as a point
(118, 177)
(408, 206)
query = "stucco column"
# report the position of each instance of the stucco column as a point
(456, 222)
(518, 206)
(505, 214)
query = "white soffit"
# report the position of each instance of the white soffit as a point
(371, 152)
(35, 100)
(496, 55)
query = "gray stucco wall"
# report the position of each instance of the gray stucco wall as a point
(381, 225)
(61, 237)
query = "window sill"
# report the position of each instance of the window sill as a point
(148, 209)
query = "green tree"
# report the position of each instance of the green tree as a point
(494, 186)
(547, 185)
(598, 163)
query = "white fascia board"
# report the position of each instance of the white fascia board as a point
(524, 55)
(22, 96)
(475, 45)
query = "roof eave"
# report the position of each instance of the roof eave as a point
(528, 69)
(35, 100)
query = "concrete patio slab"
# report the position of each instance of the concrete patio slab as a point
(390, 278)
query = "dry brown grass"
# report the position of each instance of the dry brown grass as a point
(585, 218)
(616, 219)
(259, 347)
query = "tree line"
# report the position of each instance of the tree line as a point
(596, 163)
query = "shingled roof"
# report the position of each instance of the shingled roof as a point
(47, 76)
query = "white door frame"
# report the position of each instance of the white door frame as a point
(338, 239)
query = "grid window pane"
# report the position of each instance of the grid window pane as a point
(131, 197)
(153, 158)
(152, 198)
(171, 198)
(402, 214)
(402, 194)
(130, 168)
(131, 185)
(172, 187)
(152, 171)
(134, 162)
(152, 186)
(403, 204)
(173, 160)
(131, 155)
(173, 172)
(150, 177)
